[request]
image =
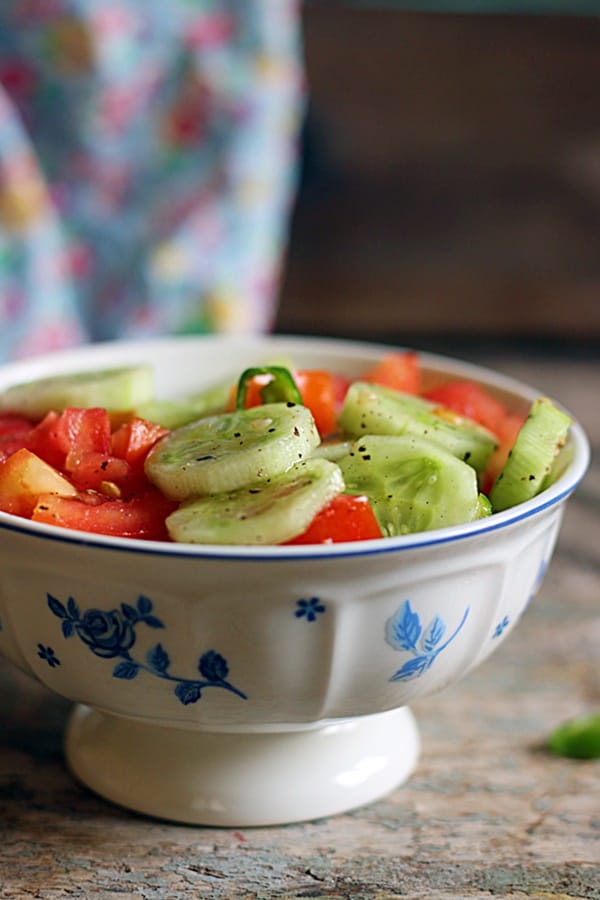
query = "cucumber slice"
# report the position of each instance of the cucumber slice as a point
(259, 514)
(332, 450)
(372, 409)
(114, 389)
(413, 484)
(176, 413)
(228, 451)
(532, 457)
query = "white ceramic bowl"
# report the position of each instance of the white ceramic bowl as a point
(258, 685)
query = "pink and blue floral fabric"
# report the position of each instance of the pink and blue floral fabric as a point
(147, 166)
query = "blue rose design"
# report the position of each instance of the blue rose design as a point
(111, 634)
(107, 634)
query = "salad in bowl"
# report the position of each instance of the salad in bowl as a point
(234, 553)
(275, 454)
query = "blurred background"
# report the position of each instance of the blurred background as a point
(450, 188)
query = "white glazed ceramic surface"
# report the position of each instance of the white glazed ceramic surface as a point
(204, 676)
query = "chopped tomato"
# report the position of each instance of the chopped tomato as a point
(507, 431)
(61, 439)
(23, 477)
(13, 433)
(140, 516)
(400, 371)
(134, 439)
(11, 424)
(101, 472)
(471, 400)
(346, 518)
(320, 392)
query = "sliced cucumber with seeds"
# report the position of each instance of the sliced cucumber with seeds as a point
(413, 484)
(225, 452)
(114, 389)
(270, 513)
(533, 455)
(372, 409)
(176, 413)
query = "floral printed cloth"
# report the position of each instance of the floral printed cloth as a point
(147, 166)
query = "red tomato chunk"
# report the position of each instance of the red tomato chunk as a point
(345, 518)
(140, 516)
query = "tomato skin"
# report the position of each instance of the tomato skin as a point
(507, 431)
(133, 440)
(11, 425)
(23, 477)
(62, 439)
(399, 370)
(320, 393)
(141, 516)
(100, 472)
(14, 431)
(346, 518)
(470, 399)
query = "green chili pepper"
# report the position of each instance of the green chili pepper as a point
(578, 738)
(280, 389)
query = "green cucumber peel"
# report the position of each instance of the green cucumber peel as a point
(280, 389)
(577, 738)
(378, 410)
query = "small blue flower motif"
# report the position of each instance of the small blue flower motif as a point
(48, 655)
(501, 627)
(309, 609)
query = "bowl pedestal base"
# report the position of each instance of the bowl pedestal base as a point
(241, 779)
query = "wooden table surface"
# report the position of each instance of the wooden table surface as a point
(488, 813)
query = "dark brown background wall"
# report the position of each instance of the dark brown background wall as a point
(451, 177)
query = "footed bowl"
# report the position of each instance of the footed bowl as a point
(240, 686)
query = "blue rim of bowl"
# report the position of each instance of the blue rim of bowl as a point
(552, 496)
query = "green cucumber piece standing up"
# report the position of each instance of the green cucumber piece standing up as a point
(532, 457)
(413, 484)
(259, 514)
(225, 452)
(114, 389)
(372, 409)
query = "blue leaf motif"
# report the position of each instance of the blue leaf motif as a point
(413, 668)
(73, 609)
(213, 666)
(144, 605)
(402, 632)
(130, 613)
(126, 670)
(152, 622)
(433, 634)
(56, 607)
(188, 692)
(158, 658)
(68, 628)
(403, 629)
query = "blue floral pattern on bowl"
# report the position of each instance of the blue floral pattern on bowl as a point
(309, 609)
(403, 631)
(48, 655)
(111, 634)
(501, 627)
